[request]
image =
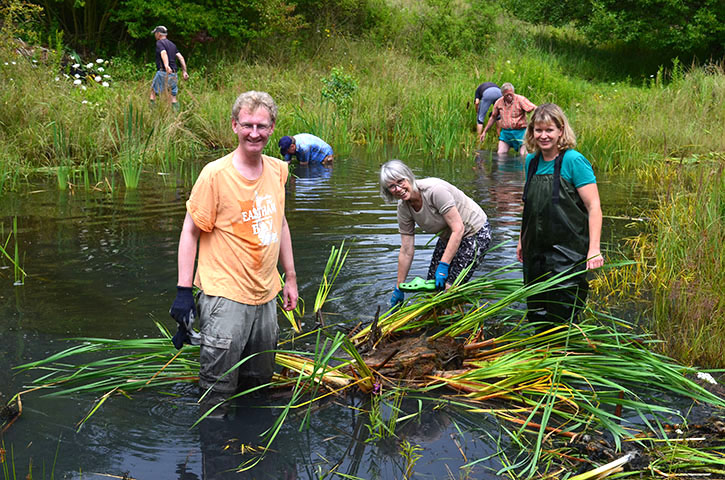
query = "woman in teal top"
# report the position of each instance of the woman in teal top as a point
(562, 219)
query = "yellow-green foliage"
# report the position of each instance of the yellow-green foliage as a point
(689, 270)
(680, 264)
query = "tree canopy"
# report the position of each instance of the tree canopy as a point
(683, 26)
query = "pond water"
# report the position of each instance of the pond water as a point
(103, 264)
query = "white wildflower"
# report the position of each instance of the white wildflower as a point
(77, 82)
(90, 65)
(35, 61)
(679, 432)
(707, 377)
(97, 78)
(106, 76)
(105, 84)
(76, 65)
(13, 63)
(84, 101)
(651, 76)
(6, 63)
(57, 78)
(100, 69)
(77, 76)
(99, 60)
(83, 87)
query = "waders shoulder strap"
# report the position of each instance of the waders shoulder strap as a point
(557, 175)
(533, 166)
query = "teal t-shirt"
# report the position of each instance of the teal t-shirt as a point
(575, 168)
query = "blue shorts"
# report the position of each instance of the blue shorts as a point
(513, 137)
(165, 81)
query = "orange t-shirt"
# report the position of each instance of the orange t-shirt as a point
(241, 223)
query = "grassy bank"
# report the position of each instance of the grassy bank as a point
(420, 107)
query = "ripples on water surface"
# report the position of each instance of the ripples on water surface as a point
(104, 265)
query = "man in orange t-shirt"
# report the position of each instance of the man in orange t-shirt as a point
(235, 215)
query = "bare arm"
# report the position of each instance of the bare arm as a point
(180, 57)
(455, 223)
(188, 242)
(165, 59)
(590, 196)
(491, 119)
(405, 257)
(290, 294)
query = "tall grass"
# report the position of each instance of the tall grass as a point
(689, 270)
(680, 264)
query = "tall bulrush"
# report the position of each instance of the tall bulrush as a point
(132, 146)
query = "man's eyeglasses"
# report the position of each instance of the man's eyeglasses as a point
(249, 127)
(395, 185)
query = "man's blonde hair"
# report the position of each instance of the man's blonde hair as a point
(251, 101)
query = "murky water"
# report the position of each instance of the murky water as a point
(103, 264)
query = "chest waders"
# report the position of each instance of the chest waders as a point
(554, 239)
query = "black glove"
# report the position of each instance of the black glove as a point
(183, 310)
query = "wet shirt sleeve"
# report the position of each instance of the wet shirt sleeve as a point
(202, 203)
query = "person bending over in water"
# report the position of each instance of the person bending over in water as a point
(512, 110)
(307, 148)
(562, 219)
(435, 206)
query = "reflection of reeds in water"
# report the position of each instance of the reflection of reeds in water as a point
(549, 382)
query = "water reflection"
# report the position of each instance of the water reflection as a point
(103, 264)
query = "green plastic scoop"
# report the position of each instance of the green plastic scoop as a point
(418, 285)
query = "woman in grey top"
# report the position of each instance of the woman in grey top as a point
(435, 206)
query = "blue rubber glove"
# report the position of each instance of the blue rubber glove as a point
(183, 310)
(441, 275)
(397, 298)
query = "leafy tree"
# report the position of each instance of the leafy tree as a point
(682, 26)
(99, 24)
(241, 20)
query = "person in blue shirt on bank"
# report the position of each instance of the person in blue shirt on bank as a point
(562, 221)
(307, 148)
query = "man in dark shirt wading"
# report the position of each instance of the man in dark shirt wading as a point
(166, 68)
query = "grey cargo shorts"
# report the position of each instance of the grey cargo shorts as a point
(232, 331)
